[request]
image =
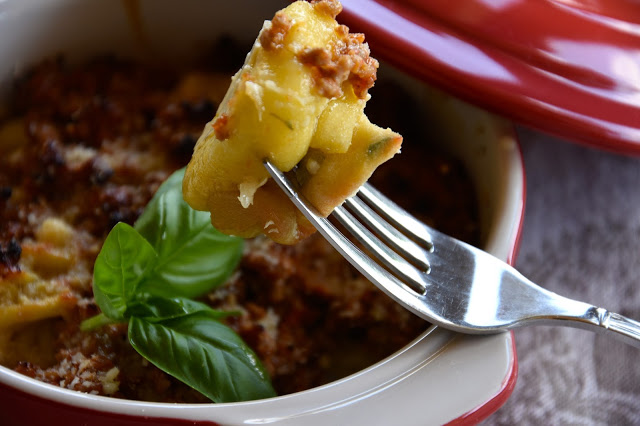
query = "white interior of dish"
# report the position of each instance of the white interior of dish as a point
(488, 149)
(416, 378)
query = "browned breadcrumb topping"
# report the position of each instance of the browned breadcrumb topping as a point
(96, 143)
(272, 37)
(309, 315)
(221, 127)
(329, 7)
(96, 374)
(100, 139)
(347, 60)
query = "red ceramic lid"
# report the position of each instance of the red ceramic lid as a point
(568, 67)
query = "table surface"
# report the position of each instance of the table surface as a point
(581, 239)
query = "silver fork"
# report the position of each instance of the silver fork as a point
(443, 280)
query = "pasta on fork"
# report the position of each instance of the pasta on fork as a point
(299, 102)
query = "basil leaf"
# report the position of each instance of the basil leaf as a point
(123, 262)
(193, 257)
(203, 353)
(163, 308)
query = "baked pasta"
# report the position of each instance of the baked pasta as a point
(298, 101)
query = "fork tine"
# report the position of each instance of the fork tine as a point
(392, 260)
(375, 273)
(397, 215)
(389, 234)
(469, 291)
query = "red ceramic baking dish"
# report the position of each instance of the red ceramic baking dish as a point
(440, 377)
(566, 67)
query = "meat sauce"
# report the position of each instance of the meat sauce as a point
(94, 142)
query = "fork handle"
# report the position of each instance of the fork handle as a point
(623, 328)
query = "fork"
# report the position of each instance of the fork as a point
(441, 279)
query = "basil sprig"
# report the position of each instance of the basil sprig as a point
(146, 275)
(193, 256)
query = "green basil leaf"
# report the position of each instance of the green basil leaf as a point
(95, 321)
(162, 308)
(203, 353)
(193, 257)
(123, 262)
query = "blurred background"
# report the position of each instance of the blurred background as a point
(581, 238)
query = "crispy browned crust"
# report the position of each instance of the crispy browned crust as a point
(347, 60)
(329, 7)
(329, 321)
(272, 38)
(111, 109)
